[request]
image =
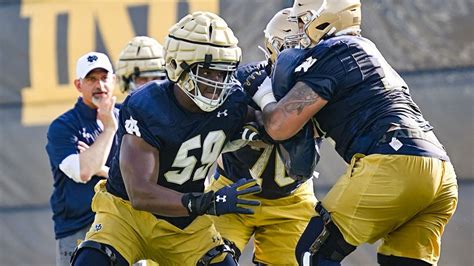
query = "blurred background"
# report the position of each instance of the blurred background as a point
(430, 42)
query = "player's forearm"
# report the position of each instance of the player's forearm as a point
(275, 122)
(140, 167)
(92, 160)
(285, 118)
(156, 199)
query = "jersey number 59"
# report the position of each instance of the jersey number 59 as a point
(211, 148)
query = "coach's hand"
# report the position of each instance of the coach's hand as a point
(225, 200)
(105, 111)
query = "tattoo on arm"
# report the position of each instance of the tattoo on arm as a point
(298, 98)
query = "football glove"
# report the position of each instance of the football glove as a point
(251, 131)
(253, 81)
(259, 86)
(225, 200)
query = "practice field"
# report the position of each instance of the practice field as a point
(428, 42)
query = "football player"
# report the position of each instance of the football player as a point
(287, 204)
(399, 186)
(171, 133)
(139, 62)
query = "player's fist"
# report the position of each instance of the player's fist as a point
(253, 82)
(229, 199)
(250, 132)
(259, 86)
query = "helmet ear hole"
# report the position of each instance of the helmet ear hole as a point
(322, 26)
(173, 64)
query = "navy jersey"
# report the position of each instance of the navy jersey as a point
(189, 143)
(71, 201)
(365, 95)
(264, 163)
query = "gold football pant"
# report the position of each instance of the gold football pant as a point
(140, 235)
(276, 225)
(404, 200)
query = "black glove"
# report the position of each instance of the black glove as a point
(251, 131)
(268, 67)
(225, 200)
(253, 81)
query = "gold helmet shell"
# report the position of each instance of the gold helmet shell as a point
(323, 18)
(201, 38)
(278, 34)
(143, 56)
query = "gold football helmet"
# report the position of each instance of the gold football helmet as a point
(142, 57)
(322, 18)
(202, 40)
(279, 34)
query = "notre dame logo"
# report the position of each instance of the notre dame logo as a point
(131, 126)
(92, 58)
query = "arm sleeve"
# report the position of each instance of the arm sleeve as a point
(236, 141)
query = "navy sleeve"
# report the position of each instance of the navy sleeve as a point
(240, 104)
(62, 142)
(323, 83)
(331, 69)
(132, 122)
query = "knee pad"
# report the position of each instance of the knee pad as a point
(385, 260)
(322, 241)
(95, 253)
(233, 247)
(230, 258)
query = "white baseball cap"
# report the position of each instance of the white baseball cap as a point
(91, 61)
